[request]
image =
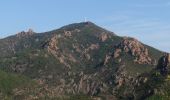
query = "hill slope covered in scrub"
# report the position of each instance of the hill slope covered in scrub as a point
(81, 61)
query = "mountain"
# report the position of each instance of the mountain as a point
(81, 61)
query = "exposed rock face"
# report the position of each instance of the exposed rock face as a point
(19, 68)
(77, 30)
(25, 34)
(90, 48)
(163, 64)
(103, 37)
(117, 53)
(53, 49)
(107, 59)
(86, 87)
(94, 46)
(84, 84)
(67, 33)
(136, 49)
(77, 48)
(120, 76)
(168, 58)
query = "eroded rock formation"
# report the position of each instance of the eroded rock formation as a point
(25, 34)
(163, 64)
(103, 37)
(54, 50)
(136, 49)
(67, 33)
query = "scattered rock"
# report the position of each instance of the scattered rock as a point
(72, 58)
(94, 46)
(53, 44)
(91, 47)
(77, 48)
(19, 68)
(77, 30)
(86, 54)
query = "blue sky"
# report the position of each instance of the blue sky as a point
(146, 20)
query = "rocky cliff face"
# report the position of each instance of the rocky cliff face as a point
(25, 34)
(136, 49)
(163, 64)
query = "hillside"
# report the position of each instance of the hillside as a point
(81, 61)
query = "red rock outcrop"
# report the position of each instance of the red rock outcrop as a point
(54, 50)
(25, 34)
(103, 37)
(135, 48)
(117, 53)
(67, 33)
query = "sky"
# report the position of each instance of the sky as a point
(146, 20)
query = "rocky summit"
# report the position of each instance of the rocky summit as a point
(81, 61)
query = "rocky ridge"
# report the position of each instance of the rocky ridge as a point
(136, 49)
(25, 34)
